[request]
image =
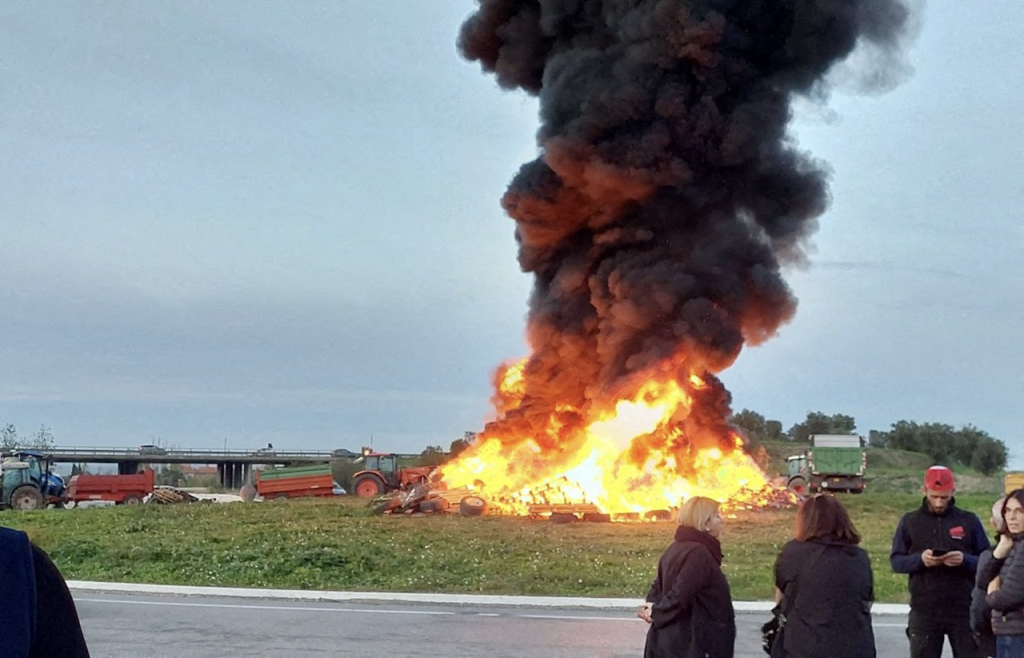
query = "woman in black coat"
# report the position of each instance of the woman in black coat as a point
(688, 606)
(824, 585)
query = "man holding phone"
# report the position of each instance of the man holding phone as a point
(938, 546)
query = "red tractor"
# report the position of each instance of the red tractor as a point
(382, 474)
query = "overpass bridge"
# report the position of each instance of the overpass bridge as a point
(234, 467)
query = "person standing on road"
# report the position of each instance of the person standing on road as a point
(938, 546)
(1006, 587)
(981, 614)
(689, 607)
(824, 586)
(37, 614)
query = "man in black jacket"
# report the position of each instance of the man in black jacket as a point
(38, 618)
(938, 546)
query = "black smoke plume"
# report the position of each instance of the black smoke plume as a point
(667, 194)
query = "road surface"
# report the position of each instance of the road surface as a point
(127, 626)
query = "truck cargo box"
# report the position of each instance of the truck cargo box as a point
(1012, 481)
(296, 482)
(121, 489)
(828, 461)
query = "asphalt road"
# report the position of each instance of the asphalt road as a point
(127, 626)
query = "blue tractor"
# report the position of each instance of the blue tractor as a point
(26, 482)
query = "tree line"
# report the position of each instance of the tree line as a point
(943, 443)
(42, 439)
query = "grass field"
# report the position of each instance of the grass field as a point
(338, 545)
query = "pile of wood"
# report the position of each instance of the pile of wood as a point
(170, 496)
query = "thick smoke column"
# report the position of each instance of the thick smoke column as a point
(666, 194)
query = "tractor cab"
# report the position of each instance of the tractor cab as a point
(385, 465)
(17, 488)
(50, 484)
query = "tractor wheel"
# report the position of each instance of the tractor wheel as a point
(472, 506)
(562, 517)
(27, 497)
(434, 505)
(131, 499)
(368, 486)
(281, 496)
(797, 485)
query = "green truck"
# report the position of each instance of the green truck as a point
(832, 462)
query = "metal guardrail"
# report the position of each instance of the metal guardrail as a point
(188, 456)
(128, 452)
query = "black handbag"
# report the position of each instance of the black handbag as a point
(771, 630)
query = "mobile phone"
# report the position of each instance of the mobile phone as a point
(939, 552)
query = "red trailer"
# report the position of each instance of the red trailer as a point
(296, 482)
(121, 489)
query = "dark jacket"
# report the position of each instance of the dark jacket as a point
(37, 614)
(939, 592)
(981, 613)
(828, 588)
(1007, 602)
(692, 615)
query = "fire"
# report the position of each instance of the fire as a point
(646, 451)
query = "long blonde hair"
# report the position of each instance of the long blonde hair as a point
(696, 512)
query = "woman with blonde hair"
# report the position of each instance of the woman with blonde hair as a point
(824, 586)
(689, 606)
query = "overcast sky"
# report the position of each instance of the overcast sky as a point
(232, 223)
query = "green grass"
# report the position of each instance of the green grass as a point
(338, 545)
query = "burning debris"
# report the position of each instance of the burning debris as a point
(666, 198)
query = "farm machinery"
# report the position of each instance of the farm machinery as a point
(26, 482)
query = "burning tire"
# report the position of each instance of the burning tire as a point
(434, 505)
(472, 506)
(562, 517)
(368, 486)
(658, 515)
(797, 485)
(387, 506)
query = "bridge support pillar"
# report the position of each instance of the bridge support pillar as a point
(232, 476)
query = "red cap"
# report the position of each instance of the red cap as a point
(938, 478)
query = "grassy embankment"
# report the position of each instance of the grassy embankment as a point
(337, 545)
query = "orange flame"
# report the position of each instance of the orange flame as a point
(632, 455)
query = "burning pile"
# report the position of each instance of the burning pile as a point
(665, 200)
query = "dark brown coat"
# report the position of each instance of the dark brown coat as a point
(692, 609)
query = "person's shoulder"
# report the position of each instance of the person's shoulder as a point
(966, 515)
(12, 539)
(793, 545)
(795, 550)
(911, 514)
(11, 533)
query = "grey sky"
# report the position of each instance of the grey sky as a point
(279, 222)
